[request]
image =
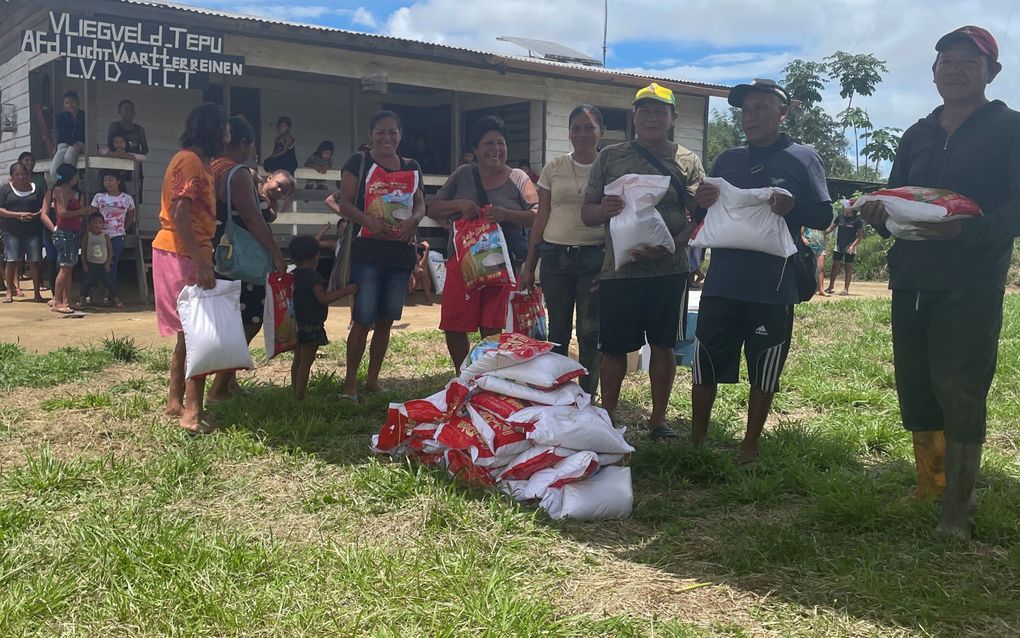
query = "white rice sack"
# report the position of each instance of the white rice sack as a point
(607, 494)
(742, 219)
(578, 429)
(575, 467)
(213, 331)
(567, 394)
(546, 371)
(437, 268)
(639, 224)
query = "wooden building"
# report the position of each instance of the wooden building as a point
(169, 57)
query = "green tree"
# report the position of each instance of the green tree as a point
(857, 118)
(723, 132)
(857, 74)
(881, 144)
(808, 122)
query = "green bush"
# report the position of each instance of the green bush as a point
(871, 264)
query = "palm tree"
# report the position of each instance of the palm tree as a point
(857, 118)
(882, 144)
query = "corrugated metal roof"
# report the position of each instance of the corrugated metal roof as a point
(718, 89)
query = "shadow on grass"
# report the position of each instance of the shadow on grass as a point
(819, 525)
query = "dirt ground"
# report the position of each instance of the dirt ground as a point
(38, 329)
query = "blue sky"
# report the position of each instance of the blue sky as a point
(718, 41)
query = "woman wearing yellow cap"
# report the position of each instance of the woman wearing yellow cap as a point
(571, 252)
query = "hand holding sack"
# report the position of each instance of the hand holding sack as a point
(279, 325)
(639, 225)
(390, 198)
(908, 205)
(213, 330)
(482, 252)
(742, 219)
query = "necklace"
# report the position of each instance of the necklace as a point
(573, 169)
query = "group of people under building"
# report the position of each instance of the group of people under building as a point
(947, 291)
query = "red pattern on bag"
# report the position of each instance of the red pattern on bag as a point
(954, 203)
(280, 310)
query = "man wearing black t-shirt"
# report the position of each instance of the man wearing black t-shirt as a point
(849, 229)
(748, 296)
(947, 290)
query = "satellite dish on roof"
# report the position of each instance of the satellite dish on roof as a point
(545, 50)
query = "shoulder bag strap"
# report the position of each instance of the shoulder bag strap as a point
(483, 197)
(230, 208)
(654, 161)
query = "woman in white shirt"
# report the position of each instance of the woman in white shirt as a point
(571, 252)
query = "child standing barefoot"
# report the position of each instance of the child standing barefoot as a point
(311, 306)
(97, 261)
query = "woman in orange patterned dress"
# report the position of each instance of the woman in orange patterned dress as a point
(182, 252)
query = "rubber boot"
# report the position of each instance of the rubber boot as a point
(963, 462)
(930, 459)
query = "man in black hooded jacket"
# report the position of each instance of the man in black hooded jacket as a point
(948, 289)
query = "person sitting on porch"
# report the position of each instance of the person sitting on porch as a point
(321, 161)
(283, 156)
(134, 139)
(70, 125)
(514, 202)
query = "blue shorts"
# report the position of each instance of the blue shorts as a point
(22, 247)
(381, 292)
(67, 245)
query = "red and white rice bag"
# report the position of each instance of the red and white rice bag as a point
(908, 205)
(389, 197)
(521, 467)
(525, 314)
(279, 325)
(500, 405)
(461, 466)
(504, 438)
(545, 372)
(576, 467)
(608, 494)
(482, 253)
(568, 394)
(499, 351)
(461, 434)
(589, 428)
(393, 432)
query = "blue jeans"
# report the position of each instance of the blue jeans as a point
(22, 247)
(117, 244)
(381, 292)
(95, 274)
(568, 275)
(67, 245)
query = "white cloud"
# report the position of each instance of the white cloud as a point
(362, 17)
(903, 34)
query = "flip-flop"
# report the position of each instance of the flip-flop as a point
(204, 427)
(62, 311)
(8, 301)
(844, 294)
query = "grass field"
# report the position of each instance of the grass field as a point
(113, 523)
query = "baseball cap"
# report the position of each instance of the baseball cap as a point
(657, 93)
(740, 91)
(979, 37)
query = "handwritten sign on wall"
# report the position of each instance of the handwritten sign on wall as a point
(119, 50)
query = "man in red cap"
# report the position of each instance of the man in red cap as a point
(948, 289)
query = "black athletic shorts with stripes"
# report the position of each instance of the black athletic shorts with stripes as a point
(725, 326)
